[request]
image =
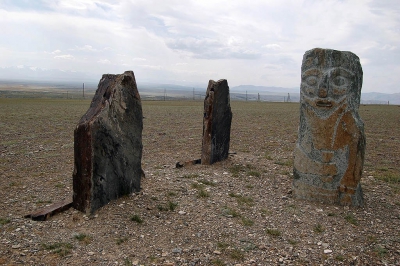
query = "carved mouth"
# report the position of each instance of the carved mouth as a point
(324, 104)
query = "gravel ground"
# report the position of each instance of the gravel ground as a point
(236, 212)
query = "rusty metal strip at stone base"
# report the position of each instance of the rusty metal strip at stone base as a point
(45, 213)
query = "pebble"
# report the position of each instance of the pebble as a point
(327, 251)
(91, 253)
(177, 250)
(217, 252)
(16, 246)
(182, 212)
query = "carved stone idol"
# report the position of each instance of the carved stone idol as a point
(216, 122)
(108, 144)
(329, 153)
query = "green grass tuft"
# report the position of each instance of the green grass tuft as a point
(389, 178)
(273, 232)
(236, 254)
(136, 218)
(121, 240)
(83, 238)
(222, 245)
(172, 205)
(203, 194)
(59, 248)
(351, 219)
(230, 212)
(247, 222)
(218, 262)
(381, 251)
(242, 199)
(253, 173)
(207, 182)
(4, 221)
(319, 228)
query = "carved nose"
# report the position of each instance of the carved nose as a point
(322, 92)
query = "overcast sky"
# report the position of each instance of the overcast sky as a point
(183, 42)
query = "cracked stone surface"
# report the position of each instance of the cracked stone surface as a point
(108, 144)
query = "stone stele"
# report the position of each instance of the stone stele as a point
(216, 122)
(329, 153)
(108, 144)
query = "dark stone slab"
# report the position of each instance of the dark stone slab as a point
(329, 153)
(108, 144)
(216, 122)
(46, 213)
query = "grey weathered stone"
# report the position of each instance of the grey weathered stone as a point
(216, 122)
(108, 144)
(329, 153)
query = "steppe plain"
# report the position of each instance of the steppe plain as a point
(236, 212)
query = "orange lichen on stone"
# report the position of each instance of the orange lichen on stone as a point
(329, 153)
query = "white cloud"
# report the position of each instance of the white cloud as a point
(64, 56)
(139, 59)
(273, 46)
(84, 48)
(258, 42)
(151, 67)
(104, 61)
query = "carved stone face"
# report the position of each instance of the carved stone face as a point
(328, 81)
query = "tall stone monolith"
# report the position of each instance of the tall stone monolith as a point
(216, 122)
(329, 153)
(108, 144)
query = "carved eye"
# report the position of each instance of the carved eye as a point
(340, 81)
(308, 91)
(311, 80)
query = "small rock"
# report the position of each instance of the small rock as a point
(91, 253)
(217, 252)
(327, 251)
(325, 245)
(16, 246)
(182, 212)
(177, 250)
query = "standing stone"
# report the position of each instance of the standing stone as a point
(329, 153)
(216, 122)
(108, 144)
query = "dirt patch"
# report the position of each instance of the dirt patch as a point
(239, 211)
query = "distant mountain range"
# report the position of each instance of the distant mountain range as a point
(69, 80)
(277, 93)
